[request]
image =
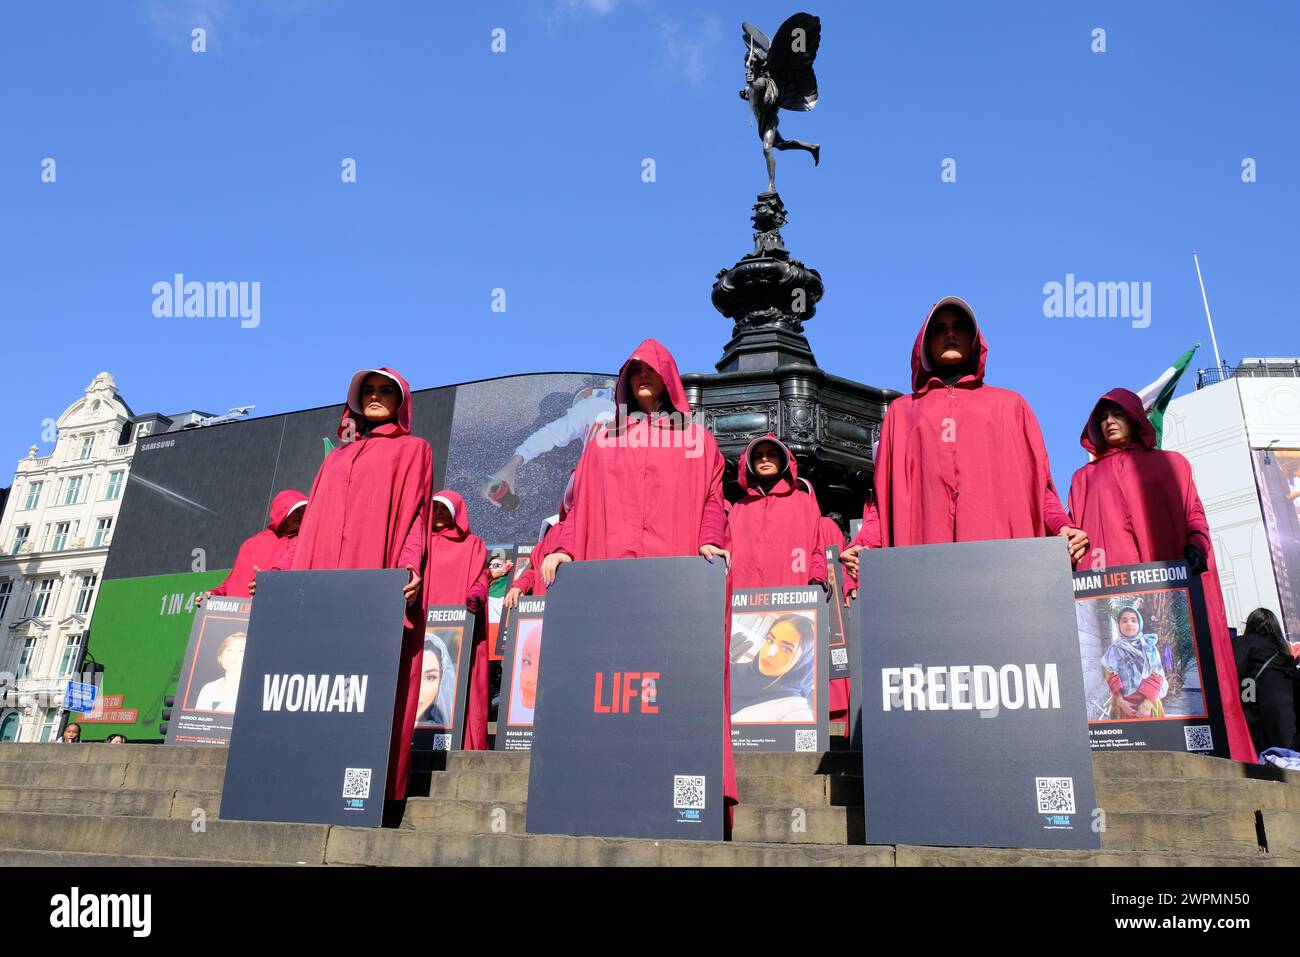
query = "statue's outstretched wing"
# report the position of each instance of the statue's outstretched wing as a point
(790, 61)
(757, 39)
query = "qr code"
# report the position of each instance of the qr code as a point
(688, 792)
(442, 742)
(1055, 795)
(1198, 737)
(356, 782)
(805, 740)
(839, 656)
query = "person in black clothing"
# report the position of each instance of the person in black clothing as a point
(1267, 673)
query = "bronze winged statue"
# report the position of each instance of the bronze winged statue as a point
(779, 75)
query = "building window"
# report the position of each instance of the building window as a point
(60, 540)
(25, 659)
(48, 725)
(44, 592)
(142, 429)
(33, 495)
(87, 446)
(86, 594)
(103, 528)
(72, 494)
(71, 655)
(114, 488)
(6, 589)
(21, 534)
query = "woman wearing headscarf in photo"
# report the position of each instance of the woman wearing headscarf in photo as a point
(640, 491)
(776, 685)
(1138, 504)
(437, 684)
(1133, 670)
(959, 460)
(455, 573)
(267, 547)
(368, 508)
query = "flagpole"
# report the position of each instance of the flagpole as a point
(1213, 340)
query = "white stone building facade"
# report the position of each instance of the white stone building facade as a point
(54, 539)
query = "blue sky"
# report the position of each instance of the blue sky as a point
(522, 170)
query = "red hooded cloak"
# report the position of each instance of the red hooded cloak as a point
(264, 549)
(961, 462)
(651, 487)
(368, 508)
(774, 537)
(1140, 504)
(455, 572)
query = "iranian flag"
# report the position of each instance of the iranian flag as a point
(1155, 397)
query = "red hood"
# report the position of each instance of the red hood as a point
(352, 411)
(807, 486)
(1095, 442)
(787, 480)
(459, 514)
(284, 503)
(922, 375)
(653, 354)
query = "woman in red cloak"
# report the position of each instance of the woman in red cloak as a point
(369, 508)
(1139, 504)
(958, 460)
(773, 533)
(650, 486)
(455, 573)
(267, 547)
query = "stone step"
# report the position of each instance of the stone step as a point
(814, 824)
(454, 816)
(1193, 794)
(1211, 833)
(1282, 832)
(113, 754)
(415, 848)
(1173, 764)
(158, 837)
(19, 857)
(906, 855)
(55, 774)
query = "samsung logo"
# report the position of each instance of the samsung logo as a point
(158, 445)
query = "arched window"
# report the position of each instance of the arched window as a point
(9, 727)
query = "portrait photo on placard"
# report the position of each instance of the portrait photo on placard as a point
(438, 671)
(525, 653)
(1139, 657)
(773, 659)
(213, 681)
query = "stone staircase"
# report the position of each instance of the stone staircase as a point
(147, 804)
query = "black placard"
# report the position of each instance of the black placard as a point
(973, 720)
(444, 678)
(629, 710)
(778, 658)
(522, 647)
(838, 618)
(1159, 658)
(315, 710)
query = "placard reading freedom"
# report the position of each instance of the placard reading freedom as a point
(973, 720)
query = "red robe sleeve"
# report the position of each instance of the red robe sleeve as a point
(525, 580)
(285, 562)
(476, 600)
(713, 521)
(412, 553)
(1054, 514)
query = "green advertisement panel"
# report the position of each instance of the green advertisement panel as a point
(139, 632)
